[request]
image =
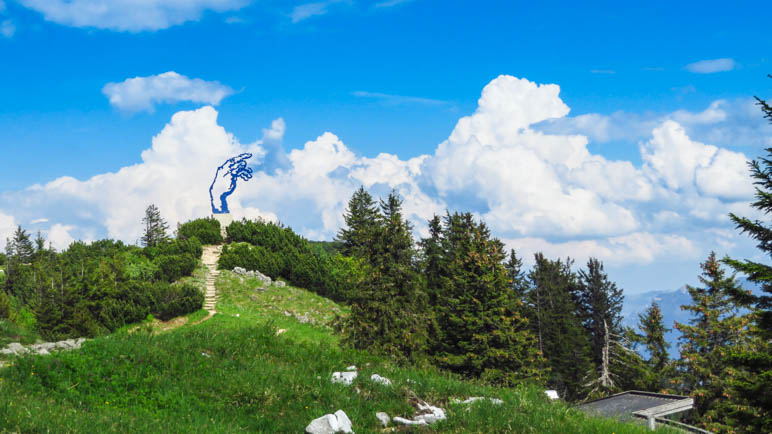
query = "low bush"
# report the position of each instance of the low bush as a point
(176, 300)
(206, 230)
(173, 267)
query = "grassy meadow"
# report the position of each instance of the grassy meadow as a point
(253, 367)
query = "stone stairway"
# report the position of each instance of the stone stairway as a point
(209, 258)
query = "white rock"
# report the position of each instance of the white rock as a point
(495, 401)
(279, 283)
(327, 424)
(351, 368)
(344, 377)
(47, 346)
(17, 348)
(552, 394)
(8, 352)
(383, 417)
(403, 421)
(381, 380)
(344, 423)
(432, 414)
(43, 352)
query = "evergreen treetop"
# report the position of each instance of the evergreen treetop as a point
(156, 228)
(361, 220)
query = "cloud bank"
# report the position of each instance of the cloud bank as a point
(537, 191)
(128, 15)
(143, 93)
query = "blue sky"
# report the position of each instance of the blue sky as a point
(664, 90)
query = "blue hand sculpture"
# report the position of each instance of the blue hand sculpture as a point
(234, 168)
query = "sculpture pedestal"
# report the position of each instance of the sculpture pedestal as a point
(225, 220)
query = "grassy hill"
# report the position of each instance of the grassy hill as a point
(262, 364)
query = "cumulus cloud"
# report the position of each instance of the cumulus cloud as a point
(143, 93)
(7, 226)
(735, 123)
(537, 191)
(7, 28)
(711, 66)
(128, 15)
(59, 236)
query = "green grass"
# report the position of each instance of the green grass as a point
(233, 373)
(10, 332)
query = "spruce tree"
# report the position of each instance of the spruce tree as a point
(652, 326)
(600, 307)
(23, 250)
(757, 413)
(361, 219)
(552, 299)
(714, 329)
(517, 277)
(156, 228)
(482, 332)
(388, 314)
(431, 250)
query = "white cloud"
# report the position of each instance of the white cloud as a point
(307, 10)
(7, 28)
(603, 71)
(7, 226)
(391, 3)
(398, 99)
(711, 66)
(38, 221)
(59, 236)
(682, 163)
(537, 191)
(143, 93)
(128, 15)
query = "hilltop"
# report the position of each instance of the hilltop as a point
(263, 363)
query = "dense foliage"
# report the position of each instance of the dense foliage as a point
(206, 230)
(91, 289)
(281, 253)
(754, 407)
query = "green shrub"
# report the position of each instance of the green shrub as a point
(173, 267)
(279, 252)
(206, 230)
(176, 300)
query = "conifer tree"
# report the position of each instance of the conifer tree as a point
(431, 250)
(388, 314)
(23, 250)
(156, 228)
(361, 219)
(714, 329)
(562, 339)
(652, 326)
(757, 413)
(482, 332)
(517, 277)
(600, 306)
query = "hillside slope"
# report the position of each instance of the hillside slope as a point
(239, 371)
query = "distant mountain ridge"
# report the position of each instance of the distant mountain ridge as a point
(670, 303)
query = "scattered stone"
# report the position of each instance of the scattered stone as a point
(344, 377)
(552, 394)
(43, 352)
(330, 424)
(327, 424)
(383, 417)
(239, 270)
(403, 421)
(8, 352)
(344, 423)
(431, 413)
(17, 348)
(352, 368)
(381, 380)
(279, 283)
(280, 331)
(286, 313)
(494, 401)
(238, 315)
(205, 355)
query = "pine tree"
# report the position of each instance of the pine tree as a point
(482, 332)
(388, 314)
(652, 326)
(517, 277)
(22, 246)
(155, 227)
(714, 329)
(756, 415)
(600, 306)
(562, 339)
(361, 220)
